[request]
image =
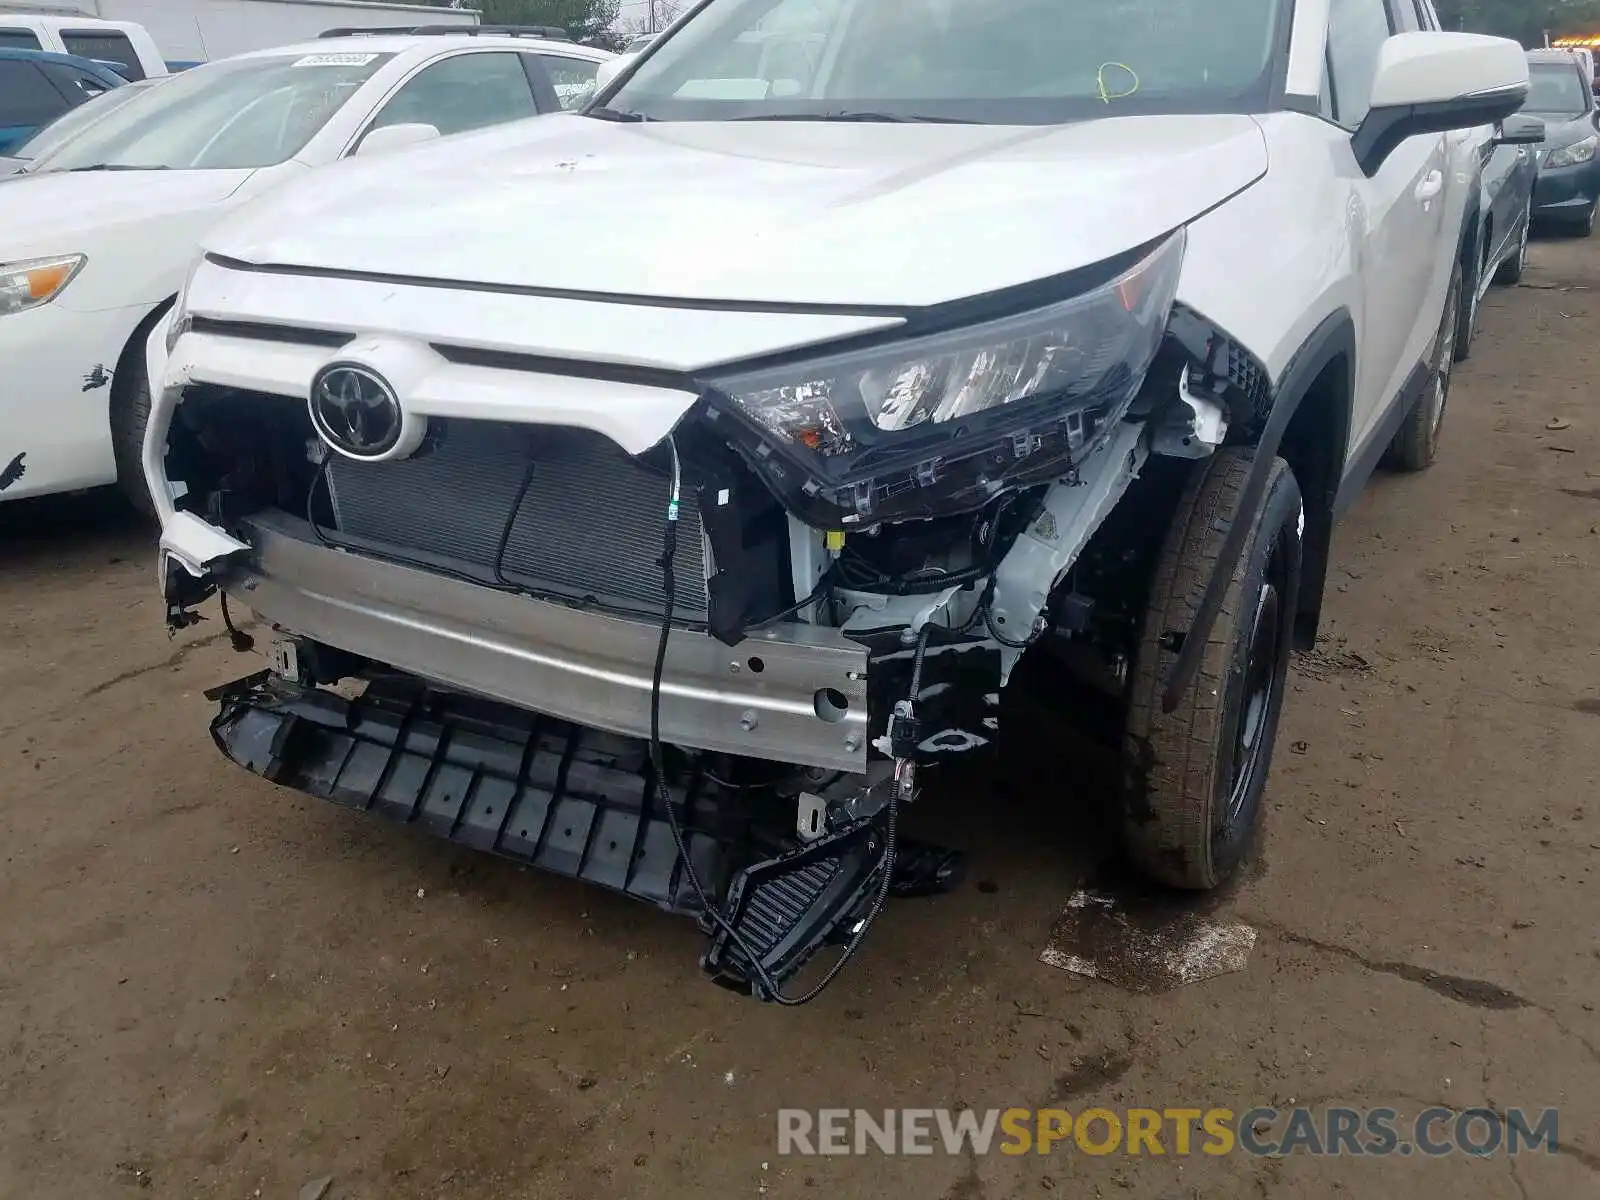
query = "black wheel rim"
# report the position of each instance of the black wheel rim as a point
(1261, 691)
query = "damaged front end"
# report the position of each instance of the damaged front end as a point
(705, 670)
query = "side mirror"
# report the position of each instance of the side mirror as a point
(1520, 131)
(394, 137)
(1435, 82)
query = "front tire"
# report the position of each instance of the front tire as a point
(130, 413)
(1416, 443)
(1192, 779)
(1578, 227)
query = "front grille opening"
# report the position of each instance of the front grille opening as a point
(558, 512)
(552, 509)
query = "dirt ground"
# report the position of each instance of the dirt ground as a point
(209, 987)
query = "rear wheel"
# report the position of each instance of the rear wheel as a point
(1192, 779)
(1510, 272)
(1416, 444)
(1467, 318)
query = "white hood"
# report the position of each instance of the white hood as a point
(842, 214)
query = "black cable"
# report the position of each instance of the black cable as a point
(855, 572)
(769, 986)
(237, 638)
(983, 612)
(818, 593)
(1009, 643)
(311, 502)
(511, 522)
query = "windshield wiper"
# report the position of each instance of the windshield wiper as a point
(114, 167)
(886, 118)
(615, 114)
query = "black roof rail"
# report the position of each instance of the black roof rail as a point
(550, 33)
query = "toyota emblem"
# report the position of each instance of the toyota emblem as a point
(356, 411)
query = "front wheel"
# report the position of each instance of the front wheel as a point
(130, 413)
(1585, 225)
(1192, 779)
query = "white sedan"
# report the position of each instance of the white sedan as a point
(97, 237)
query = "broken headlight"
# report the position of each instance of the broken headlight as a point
(922, 426)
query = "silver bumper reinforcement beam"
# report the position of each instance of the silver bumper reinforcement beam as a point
(796, 694)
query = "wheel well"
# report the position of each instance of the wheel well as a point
(133, 350)
(1315, 444)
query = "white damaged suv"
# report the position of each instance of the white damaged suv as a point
(685, 477)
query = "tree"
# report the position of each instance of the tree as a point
(657, 15)
(586, 20)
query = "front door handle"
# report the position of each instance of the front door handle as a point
(1432, 184)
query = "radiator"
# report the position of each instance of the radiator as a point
(588, 525)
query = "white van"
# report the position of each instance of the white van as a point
(121, 45)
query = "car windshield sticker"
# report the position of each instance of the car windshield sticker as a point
(334, 60)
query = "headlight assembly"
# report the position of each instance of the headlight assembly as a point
(935, 425)
(36, 282)
(1573, 155)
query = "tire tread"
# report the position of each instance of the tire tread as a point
(1172, 759)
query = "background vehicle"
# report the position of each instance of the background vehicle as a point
(1584, 48)
(1568, 190)
(102, 228)
(124, 46)
(637, 45)
(1507, 172)
(36, 88)
(69, 123)
(742, 528)
(171, 32)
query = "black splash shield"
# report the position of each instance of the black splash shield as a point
(570, 800)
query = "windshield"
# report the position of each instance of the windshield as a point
(1556, 88)
(242, 113)
(69, 123)
(984, 61)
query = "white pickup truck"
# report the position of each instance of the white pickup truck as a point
(150, 37)
(124, 46)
